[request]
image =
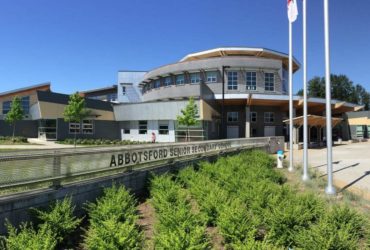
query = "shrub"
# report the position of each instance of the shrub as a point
(29, 239)
(112, 235)
(59, 218)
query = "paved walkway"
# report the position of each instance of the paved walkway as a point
(37, 144)
(351, 165)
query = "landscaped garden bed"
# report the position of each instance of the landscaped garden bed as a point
(8, 140)
(238, 202)
(98, 142)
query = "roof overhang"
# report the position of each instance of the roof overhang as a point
(242, 51)
(314, 121)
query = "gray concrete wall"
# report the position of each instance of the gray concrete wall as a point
(26, 128)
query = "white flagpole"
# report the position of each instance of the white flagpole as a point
(290, 97)
(305, 176)
(330, 189)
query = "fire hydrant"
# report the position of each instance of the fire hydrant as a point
(280, 158)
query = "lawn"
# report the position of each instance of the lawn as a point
(238, 202)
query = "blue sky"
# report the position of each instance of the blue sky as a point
(80, 45)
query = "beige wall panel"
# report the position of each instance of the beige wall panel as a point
(55, 110)
(359, 121)
(206, 111)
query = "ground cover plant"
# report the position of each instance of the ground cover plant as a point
(93, 142)
(10, 140)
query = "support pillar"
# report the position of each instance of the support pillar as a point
(247, 122)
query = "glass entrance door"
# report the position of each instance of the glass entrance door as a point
(47, 129)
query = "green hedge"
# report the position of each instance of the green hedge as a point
(80, 141)
(16, 139)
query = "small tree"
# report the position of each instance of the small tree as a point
(15, 113)
(75, 111)
(189, 116)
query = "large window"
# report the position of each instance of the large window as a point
(123, 90)
(157, 84)
(251, 80)
(269, 81)
(163, 128)
(6, 107)
(269, 117)
(180, 79)
(74, 128)
(167, 81)
(194, 78)
(253, 116)
(232, 80)
(143, 127)
(232, 116)
(211, 76)
(88, 127)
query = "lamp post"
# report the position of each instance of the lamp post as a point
(223, 103)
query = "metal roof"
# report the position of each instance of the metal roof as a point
(37, 86)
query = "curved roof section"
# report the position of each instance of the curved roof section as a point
(242, 51)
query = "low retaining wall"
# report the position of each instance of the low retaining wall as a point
(15, 208)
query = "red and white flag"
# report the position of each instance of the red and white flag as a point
(292, 10)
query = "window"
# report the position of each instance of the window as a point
(157, 84)
(232, 80)
(232, 116)
(251, 81)
(269, 117)
(269, 81)
(126, 127)
(74, 128)
(123, 90)
(143, 127)
(112, 97)
(211, 76)
(167, 81)
(6, 107)
(163, 128)
(180, 79)
(194, 78)
(253, 117)
(254, 132)
(88, 127)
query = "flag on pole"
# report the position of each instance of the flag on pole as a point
(292, 10)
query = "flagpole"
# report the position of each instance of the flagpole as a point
(305, 176)
(330, 189)
(290, 97)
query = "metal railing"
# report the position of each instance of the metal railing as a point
(55, 167)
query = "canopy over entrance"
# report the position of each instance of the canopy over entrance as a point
(314, 121)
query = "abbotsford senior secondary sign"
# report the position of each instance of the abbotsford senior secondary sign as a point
(161, 153)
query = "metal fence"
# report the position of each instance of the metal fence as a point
(27, 168)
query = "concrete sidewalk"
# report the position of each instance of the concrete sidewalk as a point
(351, 166)
(36, 144)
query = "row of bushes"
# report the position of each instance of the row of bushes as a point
(177, 226)
(80, 141)
(113, 222)
(253, 209)
(54, 228)
(16, 139)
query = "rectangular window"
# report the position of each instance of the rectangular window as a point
(194, 78)
(6, 107)
(269, 117)
(253, 116)
(269, 81)
(123, 90)
(25, 102)
(157, 84)
(74, 128)
(167, 81)
(251, 80)
(180, 79)
(112, 97)
(232, 116)
(143, 127)
(232, 80)
(211, 76)
(126, 127)
(88, 127)
(163, 128)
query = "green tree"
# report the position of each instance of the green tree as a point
(15, 113)
(189, 116)
(75, 111)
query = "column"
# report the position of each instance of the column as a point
(247, 122)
